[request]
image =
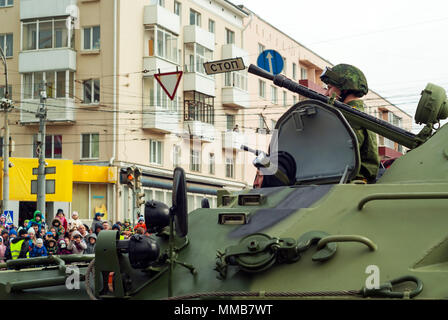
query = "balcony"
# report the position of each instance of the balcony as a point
(200, 130)
(155, 14)
(233, 140)
(235, 97)
(58, 110)
(47, 59)
(155, 63)
(232, 51)
(194, 34)
(32, 9)
(162, 121)
(194, 81)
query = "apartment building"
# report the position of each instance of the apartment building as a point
(107, 111)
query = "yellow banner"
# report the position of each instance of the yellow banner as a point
(21, 175)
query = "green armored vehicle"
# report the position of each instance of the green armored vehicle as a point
(311, 228)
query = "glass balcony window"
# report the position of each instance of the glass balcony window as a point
(56, 84)
(162, 44)
(46, 34)
(237, 79)
(198, 107)
(197, 55)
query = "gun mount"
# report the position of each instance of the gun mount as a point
(431, 108)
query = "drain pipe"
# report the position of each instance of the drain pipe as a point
(243, 169)
(114, 133)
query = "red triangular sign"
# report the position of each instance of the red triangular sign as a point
(169, 82)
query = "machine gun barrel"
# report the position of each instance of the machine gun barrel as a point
(354, 116)
(254, 151)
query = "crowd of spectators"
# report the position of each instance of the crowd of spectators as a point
(37, 238)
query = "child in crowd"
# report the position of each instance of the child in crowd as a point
(91, 242)
(62, 247)
(140, 224)
(32, 238)
(53, 231)
(61, 216)
(37, 220)
(127, 226)
(2, 250)
(57, 225)
(3, 221)
(75, 221)
(52, 247)
(77, 245)
(39, 250)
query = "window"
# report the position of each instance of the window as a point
(198, 106)
(211, 163)
(162, 3)
(6, 43)
(2, 91)
(303, 74)
(91, 90)
(273, 124)
(91, 39)
(196, 55)
(211, 26)
(230, 167)
(274, 94)
(162, 43)
(155, 151)
(46, 34)
(236, 79)
(294, 71)
(176, 156)
(261, 48)
(230, 36)
(261, 88)
(53, 146)
(6, 3)
(195, 161)
(285, 95)
(195, 18)
(284, 66)
(393, 119)
(56, 82)
(177, 8)
(90, 145)
(230, 122)
(158, 98)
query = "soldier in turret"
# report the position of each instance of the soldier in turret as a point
(348, 84)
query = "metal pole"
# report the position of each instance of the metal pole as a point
(42, 115)
(5, 105)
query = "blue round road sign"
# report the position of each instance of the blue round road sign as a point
(271, 61)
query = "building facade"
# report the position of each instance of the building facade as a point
(107, 111)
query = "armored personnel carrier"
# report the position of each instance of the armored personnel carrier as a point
(310, 229)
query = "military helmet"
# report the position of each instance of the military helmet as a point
(346, 77)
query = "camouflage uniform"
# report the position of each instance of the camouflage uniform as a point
(368, 148)
(351, 80)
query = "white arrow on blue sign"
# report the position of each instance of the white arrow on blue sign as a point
(9, 217)
(271, 61)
